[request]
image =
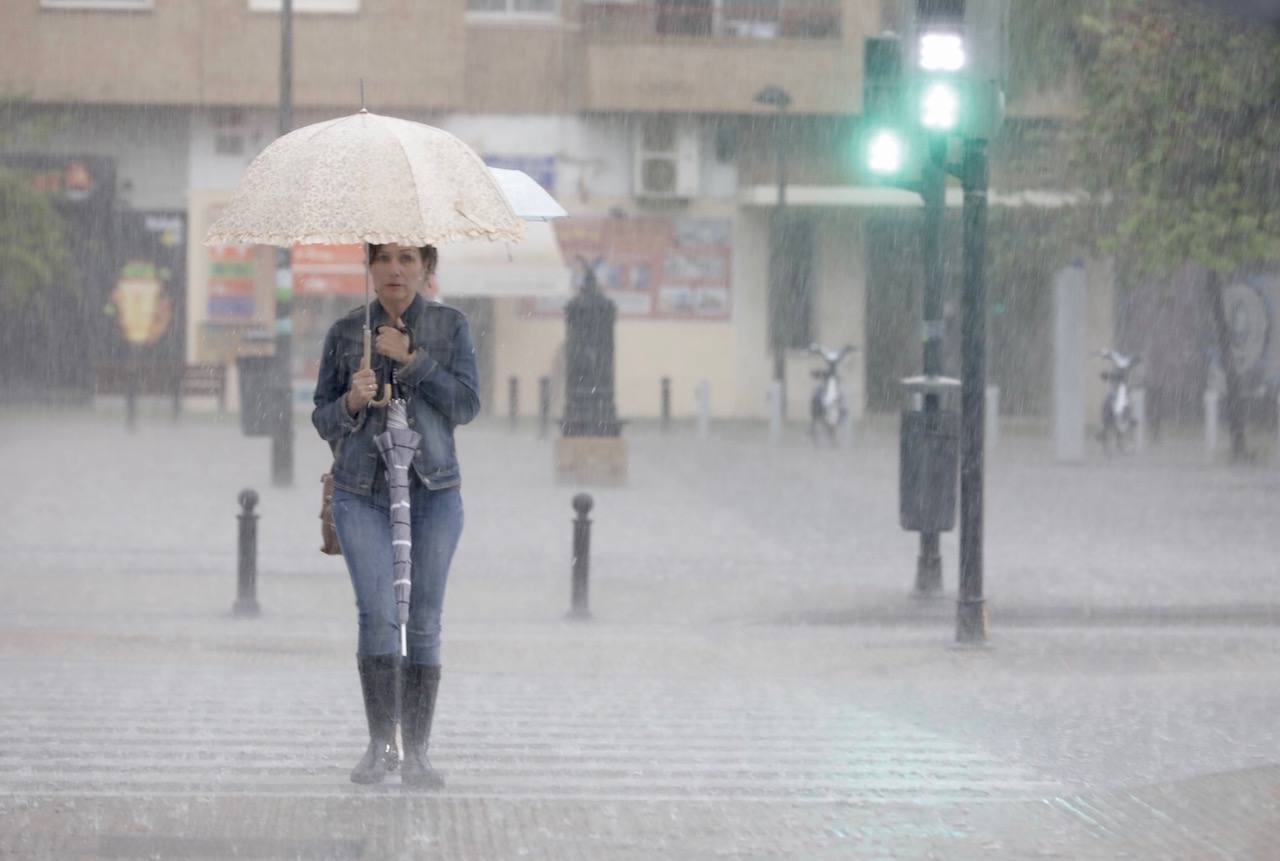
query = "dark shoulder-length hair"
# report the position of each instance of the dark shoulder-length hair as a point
(430, 256)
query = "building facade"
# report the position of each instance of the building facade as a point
(643, 117)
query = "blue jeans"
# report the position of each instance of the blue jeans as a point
(364, 531)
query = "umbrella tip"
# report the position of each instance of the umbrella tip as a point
(362, 107)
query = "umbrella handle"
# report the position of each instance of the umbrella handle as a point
(368, 363)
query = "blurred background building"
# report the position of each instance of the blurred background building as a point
(643, 117)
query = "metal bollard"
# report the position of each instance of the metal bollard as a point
(544, 406)
(513, 400)
(246, 605)
(666, 404)
(582, 503)
(992, 425)
(1139, 397)
(131, 402)
(702, 399)
(1210, 422)
(775, 412)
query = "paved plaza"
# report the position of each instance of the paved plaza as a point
(755, 681)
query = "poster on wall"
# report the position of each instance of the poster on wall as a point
(148, 297)
(652, 268)
(1251, 305)
(231, 284)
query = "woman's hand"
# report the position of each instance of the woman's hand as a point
(393, 343)
(364, 388)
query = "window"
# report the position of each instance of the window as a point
(319, 7)
(749, 19)
(514, 7)
(122, 5)
(684, 17)
(228, 131)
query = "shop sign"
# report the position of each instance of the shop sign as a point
(652, 268)
(328, 270)
(231, 283)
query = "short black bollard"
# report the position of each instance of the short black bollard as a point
(581, 556)
(513, 400)
(544, 406)
(131, 402)
(246, 605)
(666, 404)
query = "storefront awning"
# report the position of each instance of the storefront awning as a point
(533, 267)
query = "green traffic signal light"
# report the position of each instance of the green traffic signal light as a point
(940, 106)
(941, 52)
(886, 152)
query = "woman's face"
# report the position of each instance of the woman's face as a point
(398, 272)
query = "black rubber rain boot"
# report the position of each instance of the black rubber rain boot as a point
(378, 684)
(393, 750)
(420, 686)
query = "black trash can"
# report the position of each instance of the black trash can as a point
(263, 400)
(928, 470)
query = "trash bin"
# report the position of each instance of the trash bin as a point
(263, 399)
(928, 458)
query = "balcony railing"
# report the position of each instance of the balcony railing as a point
(713, 19)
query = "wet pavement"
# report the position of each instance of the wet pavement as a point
(755, 681)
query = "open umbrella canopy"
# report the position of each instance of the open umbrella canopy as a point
(529, 200)
(532, 267)
(366, 178)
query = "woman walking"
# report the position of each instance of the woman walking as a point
(426, 349)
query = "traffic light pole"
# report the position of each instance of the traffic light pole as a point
(282, 439)
(971, 612)
(933, 189)
(777, 252)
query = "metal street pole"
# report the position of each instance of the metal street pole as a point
(778, 271)
(779, 233)
(282, 439)
(971, 611)
(933, 189)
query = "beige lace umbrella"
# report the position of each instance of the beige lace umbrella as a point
(366, 178)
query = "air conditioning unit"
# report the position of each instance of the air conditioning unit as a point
(665, 165)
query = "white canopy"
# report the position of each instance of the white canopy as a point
(533, 266)
(529, 200)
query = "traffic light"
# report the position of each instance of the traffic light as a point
(886, 153)
(942, 79)
(939, 64)
(888, 146)
(940, 104)
(955, 60)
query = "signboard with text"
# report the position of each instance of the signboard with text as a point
(231, 284)
(328, 270)
(652, 268)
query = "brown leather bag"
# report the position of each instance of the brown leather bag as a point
(328, 531)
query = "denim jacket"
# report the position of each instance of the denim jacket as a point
(439, 383)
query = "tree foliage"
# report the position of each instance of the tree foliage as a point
(35, 263)
(36, 270)
(1181, 130)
